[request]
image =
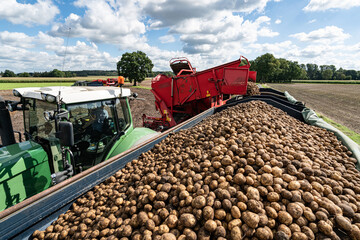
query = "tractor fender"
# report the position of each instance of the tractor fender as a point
(131, 139)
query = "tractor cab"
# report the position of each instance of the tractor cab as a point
(98, 117)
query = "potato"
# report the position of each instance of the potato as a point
(285, 217)
(236, 233)
(199, 202)
(298, 236)
(280, 235)
(325, 228)
(251, 219)
(188, 220)
(208, 213)
(262, 234)
(267, 179)
(295, 210)
(344, 223)
(210, 225)
(235, 212)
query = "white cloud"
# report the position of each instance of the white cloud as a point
(327, 34)
(16, 39)
(280, 49)
(167, 13)
(266, 32)
(312, 21)
(214, 32)
(42, 12)
(277, 21)
(323, 5)
(167, 39)
(44, 39)
(115, 22)
(20, 52)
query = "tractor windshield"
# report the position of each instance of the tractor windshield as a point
(96, 125)
(35, 123)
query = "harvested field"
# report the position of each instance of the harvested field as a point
(340, 102)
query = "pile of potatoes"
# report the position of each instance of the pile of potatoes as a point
(248, 172)
(252, 89)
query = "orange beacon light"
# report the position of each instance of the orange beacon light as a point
(121, 80)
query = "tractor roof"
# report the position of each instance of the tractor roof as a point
(73, 94)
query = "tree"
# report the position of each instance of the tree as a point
(56, 73)
(339, 74)
(313, 71)
(9, 73)
(351, 73)
(266, 66)
(24, 74)
(135, 66)
(327, 74)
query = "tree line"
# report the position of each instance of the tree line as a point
(271, 69)
(53, 73)
(137, 66)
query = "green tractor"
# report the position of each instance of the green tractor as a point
(67, 130)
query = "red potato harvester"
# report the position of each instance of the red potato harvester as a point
(189, 93)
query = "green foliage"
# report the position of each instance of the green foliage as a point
(24, 74)
(327, 74)
(135, 66)
(9, 73)
(266, 65)
(271, 69)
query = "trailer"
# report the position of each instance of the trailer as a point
(37, 212)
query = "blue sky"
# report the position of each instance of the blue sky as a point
(34, 33)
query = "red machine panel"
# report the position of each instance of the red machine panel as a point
(235, 81)
(189, 92)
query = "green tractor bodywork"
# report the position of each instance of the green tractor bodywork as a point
(101, 127)
(24, 172)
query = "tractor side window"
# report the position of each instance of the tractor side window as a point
(35, 123)
(122, 109)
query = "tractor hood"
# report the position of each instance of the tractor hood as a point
(20, 164)
(73, 94)
(16, 158)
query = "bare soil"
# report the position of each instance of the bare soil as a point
(339, 102)
(145, 104)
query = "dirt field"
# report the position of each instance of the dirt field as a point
(138, 108)
(340, 102)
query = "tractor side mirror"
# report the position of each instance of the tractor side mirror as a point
(66, 134)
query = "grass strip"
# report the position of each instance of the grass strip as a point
(142, 87)
(327, 81)
(350, 133)
(10, 86)
(51, 79)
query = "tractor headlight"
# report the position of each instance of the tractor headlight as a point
(50, 98)
(16, 93)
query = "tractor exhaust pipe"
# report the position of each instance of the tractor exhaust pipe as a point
(6, 129)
